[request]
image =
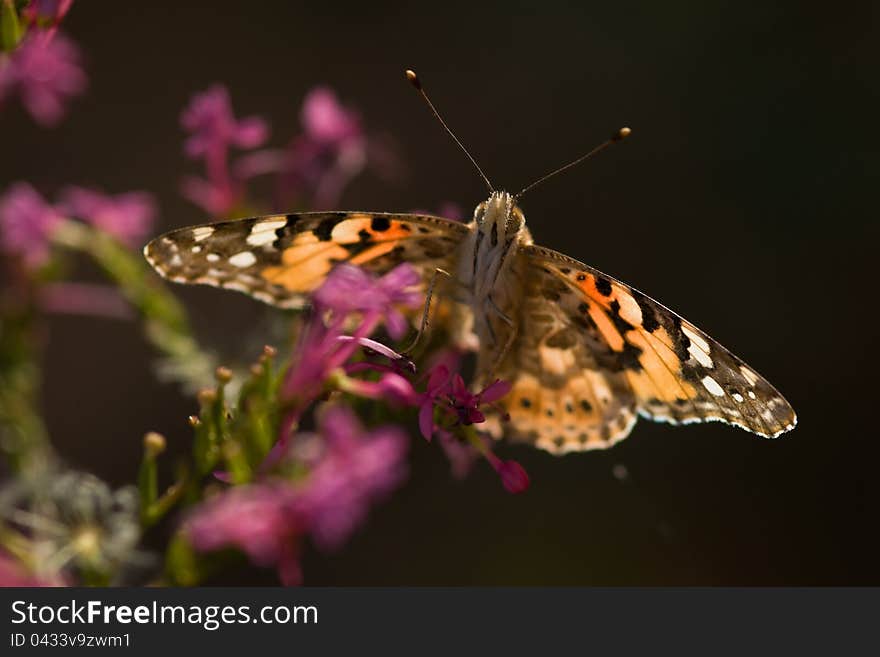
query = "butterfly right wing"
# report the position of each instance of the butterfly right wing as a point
(586, 337)
(280, 259)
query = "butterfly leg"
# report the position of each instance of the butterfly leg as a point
(511, 337)
(423, 326)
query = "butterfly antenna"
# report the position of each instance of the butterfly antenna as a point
(620, 135)
(414, 81)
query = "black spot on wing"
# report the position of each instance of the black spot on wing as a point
(680, 342)
(620, 323)
(380, 224)
(324, 230)
(603, 286)
(649, 317)
(629, 357)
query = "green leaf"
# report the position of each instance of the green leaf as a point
(10, 28)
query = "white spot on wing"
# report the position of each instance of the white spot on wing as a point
(750, 376)
(212, 257)
(197, 249)
(712, 386)
(698, 348)
(752, 395)
(202, 233)
(738, 397)
(263, 232)
(243, 259)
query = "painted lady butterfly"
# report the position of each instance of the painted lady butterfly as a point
(584, 352)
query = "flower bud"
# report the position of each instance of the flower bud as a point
(154, 444)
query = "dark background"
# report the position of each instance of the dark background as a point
(741, 201)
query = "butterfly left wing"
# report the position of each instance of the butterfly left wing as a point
(676, 372)
(280, 259)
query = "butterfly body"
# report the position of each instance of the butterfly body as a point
(585, 353)
(487, 271)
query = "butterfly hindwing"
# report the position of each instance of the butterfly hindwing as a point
(567, 393)
(676, 372)
(280, 259)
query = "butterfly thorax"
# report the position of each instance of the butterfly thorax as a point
(486, 264)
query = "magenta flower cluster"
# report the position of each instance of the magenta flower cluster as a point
(28, 220)
(44, 69)
(314, 168)
(213, 131)
(327, 468)
(349, 468)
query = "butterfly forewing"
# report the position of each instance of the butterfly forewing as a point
(280, 259)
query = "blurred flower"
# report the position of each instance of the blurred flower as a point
(128, 216)
(327, 155)
(451, 210)
(357, 469)
(213, 126)
(50, 12)
(326, 121)
(259, 520)
(14, 573)
(85, 299)
(349, 470)
(73, 519)
(350, 289)
(391, 387)
(462, 456)
(45, 72)
(26, 224)
(213, 131)
(447, 209)
(323, 349)
(514, 478)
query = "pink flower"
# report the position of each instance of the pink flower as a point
(323, 348)
(26, 224)
(447, 399)
(213, 126)
(259, 520)
(331, 151)
(326, 121)
(350, 289)
(357, 469)
(213, 131)
(449, 394)
(128, 217)
(45, 72)
(514, 477)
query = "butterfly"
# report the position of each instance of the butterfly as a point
(585, 354)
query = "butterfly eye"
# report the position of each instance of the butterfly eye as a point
(479, 213)
(516, 220)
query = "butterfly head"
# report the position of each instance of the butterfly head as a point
(499, 217)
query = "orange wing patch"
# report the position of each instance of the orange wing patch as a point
(280, 259)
